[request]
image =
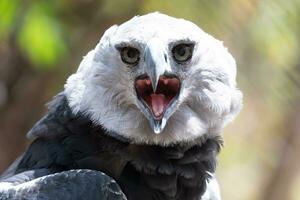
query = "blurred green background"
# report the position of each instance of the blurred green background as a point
(42, 43)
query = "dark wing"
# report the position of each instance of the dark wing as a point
(67, 185)
(63, 141)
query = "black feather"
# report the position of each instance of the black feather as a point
(65, 141)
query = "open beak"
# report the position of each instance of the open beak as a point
(158, 89)
(158, 104)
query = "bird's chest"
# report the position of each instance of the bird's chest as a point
(146, 172)
(165, 174)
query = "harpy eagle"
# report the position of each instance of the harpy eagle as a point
(140, 119)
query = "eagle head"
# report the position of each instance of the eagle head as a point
(156, 79)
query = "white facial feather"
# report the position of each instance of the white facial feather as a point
(103, 86)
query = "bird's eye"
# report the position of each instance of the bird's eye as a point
(130, 55)
(182, 52)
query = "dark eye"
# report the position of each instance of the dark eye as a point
(130, 55)
(182, 52)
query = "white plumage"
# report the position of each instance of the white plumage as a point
(208, 97)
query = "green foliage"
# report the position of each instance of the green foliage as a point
(38, 31)
(8, 11)
(41, 37)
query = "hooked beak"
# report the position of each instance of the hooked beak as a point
(158, 89)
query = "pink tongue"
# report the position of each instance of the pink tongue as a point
(157, 104)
